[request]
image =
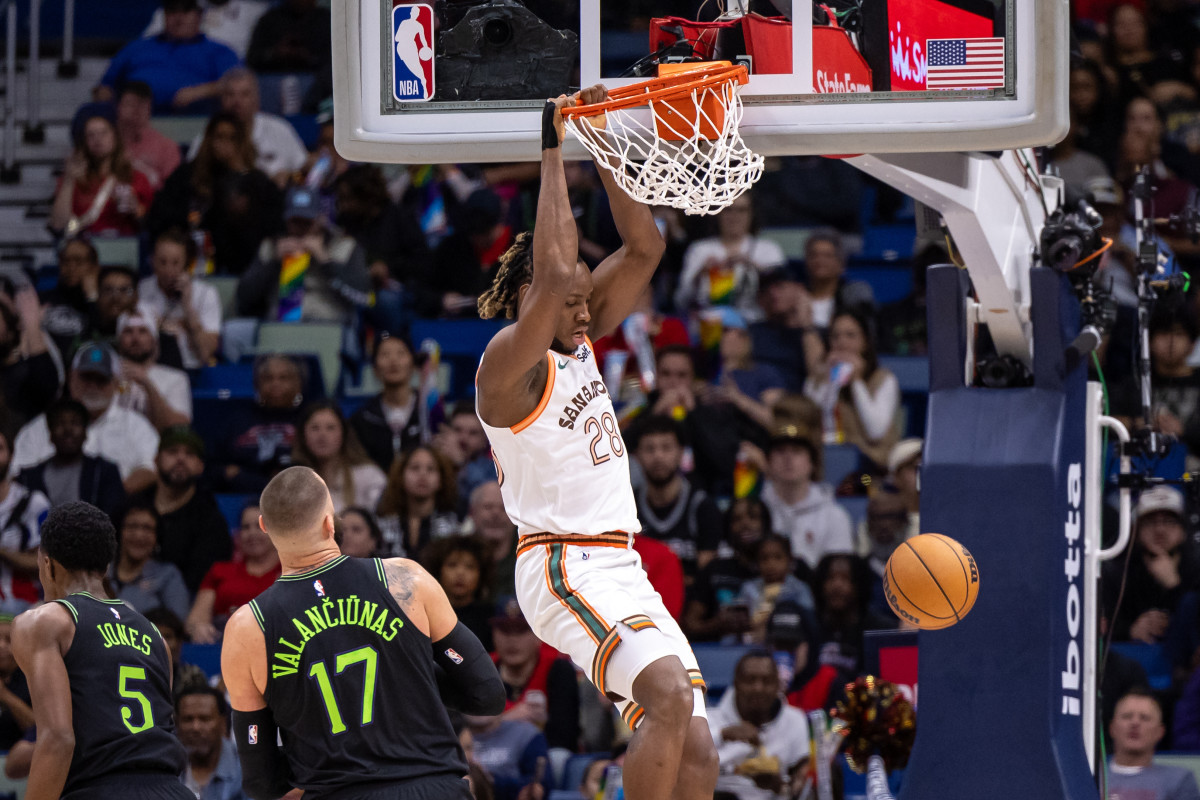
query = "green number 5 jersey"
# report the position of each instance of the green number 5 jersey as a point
(120, 694)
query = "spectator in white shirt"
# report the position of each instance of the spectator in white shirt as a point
(122, 436)
(183, 306)
(860, 398)
(762, 742)
(230, 22)
(801, 508)
(281, 154)
(162, 393)
(723, 270)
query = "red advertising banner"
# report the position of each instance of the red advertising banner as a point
(911, 23)
(899, 666)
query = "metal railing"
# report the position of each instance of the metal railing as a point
(34, 132)
(8, 160)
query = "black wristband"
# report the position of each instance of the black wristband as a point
(549, 134)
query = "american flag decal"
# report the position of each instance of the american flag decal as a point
(964, 63)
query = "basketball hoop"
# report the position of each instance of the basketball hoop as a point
(690, 156)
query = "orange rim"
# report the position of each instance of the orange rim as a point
(664, 87)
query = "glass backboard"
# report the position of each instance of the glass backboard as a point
(464, 80)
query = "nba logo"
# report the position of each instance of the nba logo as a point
(453, 655)
(252, 734)
(412, 52)
(320, 589)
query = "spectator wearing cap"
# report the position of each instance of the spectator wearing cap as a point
(1162, 568)
(539, 682)
(281, 154)
(465, 262)
(723, 270)
(162, 393)
(182, 305)
(904, 473)
(193, 534)
(310, 273)
(787, 337)
(181, 65)
(100, 192)
(762, 742)
(751, 387)
(154, 154)
(830, 292)
(22, 512)
(803, 509)
(69, 474)
(122, 436)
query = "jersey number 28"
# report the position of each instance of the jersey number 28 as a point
(603, 426)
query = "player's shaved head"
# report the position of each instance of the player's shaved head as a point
(294, 502)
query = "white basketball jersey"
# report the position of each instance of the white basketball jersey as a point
(565, 468)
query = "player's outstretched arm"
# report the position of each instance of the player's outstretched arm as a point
(620, 278)
(467, 678)
(519, 348)
(39, 639)
(265, 771)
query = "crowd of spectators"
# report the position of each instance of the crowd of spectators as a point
(759, 365)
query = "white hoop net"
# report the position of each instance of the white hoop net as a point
(671, 161)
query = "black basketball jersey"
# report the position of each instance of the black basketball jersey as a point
(350, 681)
(123, 714)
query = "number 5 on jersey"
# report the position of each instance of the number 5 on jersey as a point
(126, 675)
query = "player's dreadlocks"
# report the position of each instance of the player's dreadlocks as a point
(516, 269)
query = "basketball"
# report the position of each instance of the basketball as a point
(425, 54)
(931, 581)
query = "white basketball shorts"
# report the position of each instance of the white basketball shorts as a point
(588, 597)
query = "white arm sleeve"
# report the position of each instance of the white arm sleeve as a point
(877, 412)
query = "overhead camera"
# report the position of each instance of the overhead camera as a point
(500, 50)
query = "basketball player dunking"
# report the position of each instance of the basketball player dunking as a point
(564, 475)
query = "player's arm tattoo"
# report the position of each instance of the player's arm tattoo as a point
(401, 582)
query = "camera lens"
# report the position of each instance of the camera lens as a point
(497, 31)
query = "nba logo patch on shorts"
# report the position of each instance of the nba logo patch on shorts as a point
(412, 52)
